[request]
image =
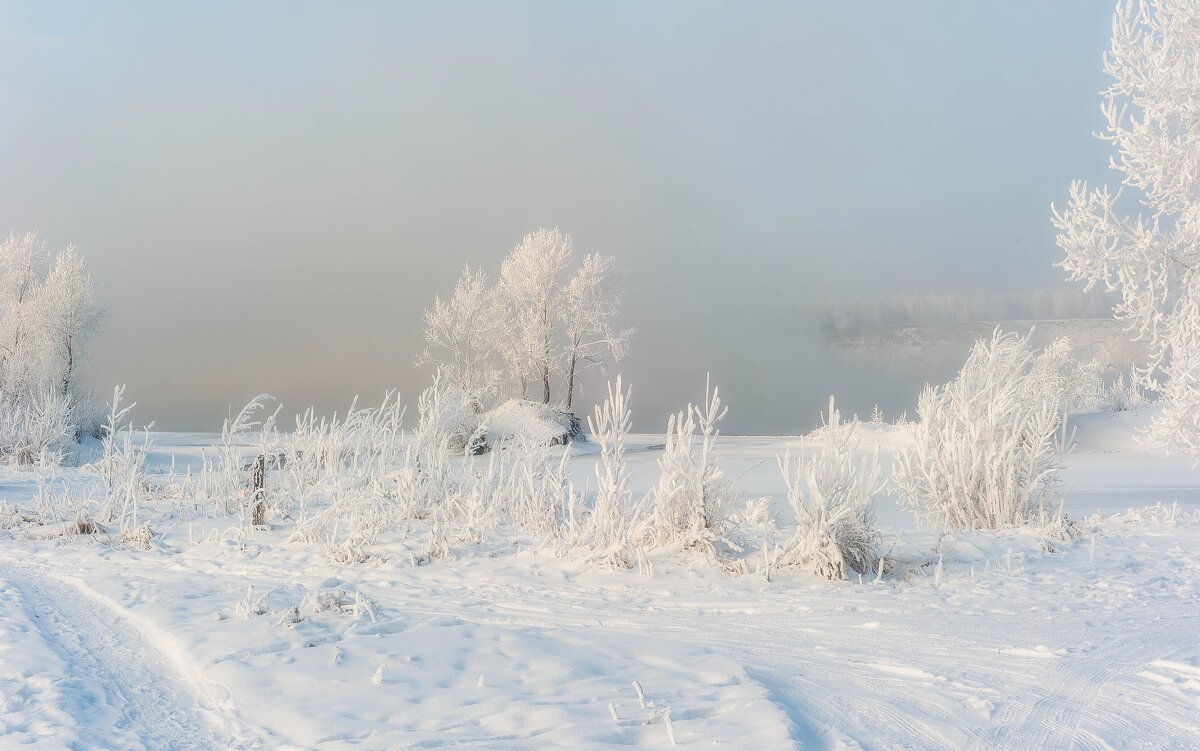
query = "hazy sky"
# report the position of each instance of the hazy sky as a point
(270, 193)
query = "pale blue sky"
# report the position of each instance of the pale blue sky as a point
(299, 179)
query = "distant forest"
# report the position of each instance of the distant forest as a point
(841, 317)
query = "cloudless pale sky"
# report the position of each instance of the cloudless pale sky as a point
(269, 193)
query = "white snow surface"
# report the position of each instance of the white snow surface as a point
(217, 639)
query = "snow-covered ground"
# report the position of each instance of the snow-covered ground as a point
(218, 639)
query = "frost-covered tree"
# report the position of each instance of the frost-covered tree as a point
(1151, 255)
(464, 329)
(48, 315)
(68, 317)
(23, 264)
(591, 302)
(542, 319)
(531, 281)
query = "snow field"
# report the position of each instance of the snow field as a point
(978, 640)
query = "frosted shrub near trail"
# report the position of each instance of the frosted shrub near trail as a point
(830, 494)
(693, 499)
(984, 453)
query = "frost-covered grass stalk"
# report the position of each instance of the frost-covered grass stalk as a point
(693, 498)
(427, 478)
(343, 474)
(538, 493)
(830, 495)
(222, 482)
(986, 452)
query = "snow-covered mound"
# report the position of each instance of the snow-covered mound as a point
(523, 420)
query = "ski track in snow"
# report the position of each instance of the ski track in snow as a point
(1040, 699)
(119, 692)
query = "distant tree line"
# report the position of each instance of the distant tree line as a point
(840, 317)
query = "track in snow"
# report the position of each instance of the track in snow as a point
(119, 691)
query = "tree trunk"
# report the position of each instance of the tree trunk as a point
(66, 387)
(571, 380)
(258, 498)
(546, 353)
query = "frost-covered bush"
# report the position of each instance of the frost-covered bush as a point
(122, 467)
(1122, 395)
(39, 429)
(344, 473)
(549, 492)
(1056, 374)
(427, 477)
(985, 453)
(608, 529)
(693, 498)
(830, 495)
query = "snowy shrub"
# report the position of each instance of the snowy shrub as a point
(1122, 395)
(538, 494)
(985, 453)
(139, 538)
(693, 499)
(1055, 374)
(346, 474)
(10, 515)
(335, 601)
(39, 429)
(122, 467)
(428, 478)
(756, 521)
(830, 495)
(608, 529)
(62, 501)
